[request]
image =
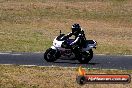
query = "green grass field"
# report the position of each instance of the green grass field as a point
(31, 25)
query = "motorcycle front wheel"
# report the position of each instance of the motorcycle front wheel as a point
(50, 55)
(85, 57)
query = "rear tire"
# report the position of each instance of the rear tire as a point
(85, 57)
(50, 55)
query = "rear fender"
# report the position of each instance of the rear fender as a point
(86, 49)
(89, 47)
(90, 44)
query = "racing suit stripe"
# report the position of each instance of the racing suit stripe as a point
(75, 41)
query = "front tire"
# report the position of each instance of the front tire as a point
(50, 55)
(85, 57)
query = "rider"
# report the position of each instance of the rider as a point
(80, 38)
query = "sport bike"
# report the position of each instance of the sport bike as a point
(60, 48)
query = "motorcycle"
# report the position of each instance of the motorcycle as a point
(59, 48)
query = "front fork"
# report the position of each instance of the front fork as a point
(58, 54)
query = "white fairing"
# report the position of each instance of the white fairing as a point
(57, 45)
(53, 47)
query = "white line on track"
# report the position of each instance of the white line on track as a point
(127, 55)
(113, 55)
(10, 53)
(100, 54)
(4, 53)
(16, 54)
(52, 66)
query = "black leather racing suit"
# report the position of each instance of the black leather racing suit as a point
(79, 41)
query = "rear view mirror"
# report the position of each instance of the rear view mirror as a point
(60, 32)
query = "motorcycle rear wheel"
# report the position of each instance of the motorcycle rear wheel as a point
(85, 57)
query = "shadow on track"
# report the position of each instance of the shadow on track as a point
(72, 61)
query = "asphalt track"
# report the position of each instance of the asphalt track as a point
(98, 61)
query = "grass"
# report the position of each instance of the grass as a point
(56, 77)
(31, 25)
